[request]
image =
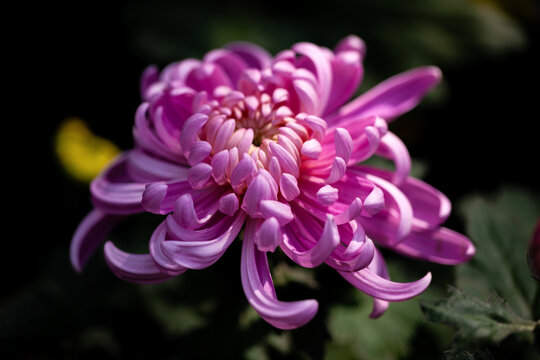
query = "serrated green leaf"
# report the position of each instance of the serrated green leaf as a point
(477, 320)
(501, 229)
(479, 354)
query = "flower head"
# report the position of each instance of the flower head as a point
(241, 139)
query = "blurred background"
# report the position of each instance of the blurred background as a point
(473, 136)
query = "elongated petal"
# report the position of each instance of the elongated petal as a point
(89, 234)
(313, 256)
(394, 96)
(397, 215)
(378, 266)
(429, 204)
(191, 128)
(114, 192)
(162, 260)
(323, 71)
(133, 267)
(148, 77)
(147, 168)
(378, 287)
(442, 246)
(199, 254)
(347, 72)
(259, 288)
(356, 255)
(231, 63)
(393, 148)
(146, 138)
(253, 55)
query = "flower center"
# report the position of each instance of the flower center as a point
(253, 143)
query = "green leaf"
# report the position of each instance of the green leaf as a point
(477, 354)
(501, 229)
(350, 326)
(476, 320)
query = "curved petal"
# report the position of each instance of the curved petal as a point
(231, 63)
(114, 192)
(162, 260)
(442, 246)
(253, 55)
(430, 206)
(160, 197)
(347, 72)
(199, 254)
(149, 76)
(323, 71)
(394, 222)
(146, 138)
(301, 245)
(394, 96)
(378, 287)
(356, 255)
(378, 266)
(259, 288)
(146, 168)
(393, 148)
(89, 234)
(133, 267)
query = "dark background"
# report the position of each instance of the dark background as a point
(476, 133)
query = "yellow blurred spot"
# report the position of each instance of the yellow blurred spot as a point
(81, 153)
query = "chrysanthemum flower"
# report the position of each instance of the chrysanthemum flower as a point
(243, 140)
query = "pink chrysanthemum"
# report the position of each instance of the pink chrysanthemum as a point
(245, 140)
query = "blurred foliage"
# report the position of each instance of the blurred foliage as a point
(443, 32)
(81, 153)
(476, 354)
(497, 292)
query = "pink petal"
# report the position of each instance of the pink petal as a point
(201, 253)
(228, 204)
(327, 195)
(347, 74)
(89, 234)
(147, 168)
(191, 129)
(199, 152)
(289, 187)
(352, 43)
(269, 235)
(114, 192)
(162, 260)
(133, 267)
(253, 55)
(148, 77)
(200, 176)
(323, 71)
(378, 287)
(339, 166)
(378, 266)
(393, 148)
(442, 246)
(311, 149)
(278, 210)
(286, 160)
(343, 143)
(259, 289)
(394, 96)
(319, 252)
